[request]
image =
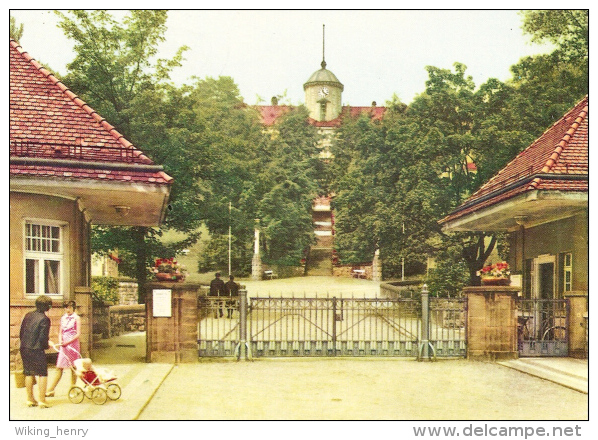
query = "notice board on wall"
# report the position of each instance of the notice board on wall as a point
(162, 303)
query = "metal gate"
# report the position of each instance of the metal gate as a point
(217, 334)
(331, 326)
(334, 327)
(542, 327)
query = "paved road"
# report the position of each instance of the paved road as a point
(359, 389)
(319, 389)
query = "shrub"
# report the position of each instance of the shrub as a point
(105, 289)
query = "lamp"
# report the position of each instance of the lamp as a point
(122, 210)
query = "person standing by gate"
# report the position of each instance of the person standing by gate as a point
(232, 289)
(217, 288)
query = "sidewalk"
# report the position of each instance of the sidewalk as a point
(125, 356)
(568, 372)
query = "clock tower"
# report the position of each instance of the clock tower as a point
(323, 94)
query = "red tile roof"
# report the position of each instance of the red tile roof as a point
(556, 161)
(270, 114)
(54, 133)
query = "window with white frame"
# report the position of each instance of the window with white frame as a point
(567, 272)
(43, 258)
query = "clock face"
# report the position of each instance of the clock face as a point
(323, 92)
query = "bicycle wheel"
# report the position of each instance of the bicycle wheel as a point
(99, 396)
(557, 333)
(76, 395)
(113, 390)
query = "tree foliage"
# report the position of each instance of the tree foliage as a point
(289, 183)
(394, 180)
(15, 30)
(567, 29)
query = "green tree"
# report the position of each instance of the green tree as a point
(115, 70)
(567, 29)
(287, 185)
(16, 30)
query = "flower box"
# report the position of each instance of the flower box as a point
(495, 281)
(497, 274)
(161, 276)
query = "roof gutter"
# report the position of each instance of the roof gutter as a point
(69, 163)
(510, 187)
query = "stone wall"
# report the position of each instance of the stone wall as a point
(346, 270)
(127, 292)
(127, 319)
(114, 320)
(400, 289)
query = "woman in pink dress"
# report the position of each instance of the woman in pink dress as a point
(68, 341)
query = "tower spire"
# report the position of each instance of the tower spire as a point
(323, 46)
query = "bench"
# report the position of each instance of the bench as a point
(270, 274)
(358, 273)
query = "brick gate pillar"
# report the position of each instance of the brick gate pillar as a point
(578, 322)
(171, 322)
(491, 322)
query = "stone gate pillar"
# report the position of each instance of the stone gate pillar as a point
(578, 323)
(171, 322)
(492, 322)
(377, 267)
(85, 310)
(256, 262)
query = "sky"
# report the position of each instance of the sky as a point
(375, 54)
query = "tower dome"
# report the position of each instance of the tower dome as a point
(323, 76)
(323, 94)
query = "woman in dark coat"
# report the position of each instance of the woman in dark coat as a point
(35, 333)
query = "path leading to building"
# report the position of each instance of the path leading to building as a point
(310, 286)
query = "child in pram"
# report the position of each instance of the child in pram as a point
(91, 375)
(98, 384)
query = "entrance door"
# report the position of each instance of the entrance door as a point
(543, 287)
(546, 281)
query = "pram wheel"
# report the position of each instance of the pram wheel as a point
(76, 395)
(113, 391)
(99, 396)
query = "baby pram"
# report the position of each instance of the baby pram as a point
(97, 384)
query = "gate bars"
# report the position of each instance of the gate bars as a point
(331, 326)
(543, 327)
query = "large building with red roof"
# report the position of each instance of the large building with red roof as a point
(540, 199)
(69, 168)
(323, 100)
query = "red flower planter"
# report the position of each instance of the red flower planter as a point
(162, 276)
(495, 281)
